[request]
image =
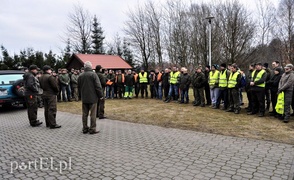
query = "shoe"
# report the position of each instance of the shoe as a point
(85, 131)
(55, 127)
(223, 108)
(94, 132)
(251, 113)
(230, 110)
(102, 117)
(236, 111)
(215, 107)
(196, 104)
(181, 102)
(202, 105)
(37, 123)
(260, 114)
(286, 120)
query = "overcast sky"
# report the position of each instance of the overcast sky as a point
(40, 23)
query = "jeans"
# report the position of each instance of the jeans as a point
(173, 88)
(108, 89)
(185, 95)
(214, 93)
(68, 92)
(159, 92)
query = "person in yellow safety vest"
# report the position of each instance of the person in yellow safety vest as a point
(213, 80)
(129, 82)
(174, 85)
(234, 83)
(223, 87)
(286, 85)
(143, 82)
(257, 87)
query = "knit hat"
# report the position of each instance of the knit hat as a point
(215, 66)
(223, 65)
(265, 65)
(208, 66)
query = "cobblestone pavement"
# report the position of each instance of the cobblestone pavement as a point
(133, 151)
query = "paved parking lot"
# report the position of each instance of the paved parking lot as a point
(133, 151)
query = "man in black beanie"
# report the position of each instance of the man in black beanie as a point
(101, 102)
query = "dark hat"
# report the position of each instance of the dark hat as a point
(215, 66)
(32, 67)
(259, 63)
(207, 66)
(223, 65)
(46, 67)
(98, 67)
(279, 69)
(265, 65)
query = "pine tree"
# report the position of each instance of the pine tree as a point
(97, 37)
(127, 54)
(67, 52)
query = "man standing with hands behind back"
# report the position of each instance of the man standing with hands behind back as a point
(50, 90)
(90, 87)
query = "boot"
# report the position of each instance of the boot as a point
(167, 100)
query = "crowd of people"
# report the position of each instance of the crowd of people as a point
(219, 87)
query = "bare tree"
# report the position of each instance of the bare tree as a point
(154, 20)
(237, 30)
(139, 34)
(79, 29)
(284, 28)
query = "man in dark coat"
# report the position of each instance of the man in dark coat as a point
(198, 82)
(50, 90)
(32, 89)
(184, 85)
(90, 87)
(165, 83)
(129, 83)
(273, 84)
(101, 102)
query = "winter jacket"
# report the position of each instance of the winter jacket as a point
(273, 83)
(287, 81)
(129, 80)
(184, 81)
(165, 78)
(49, 85)
(74, 80)
(198, 80)
(90, 87)
(102, 79)
(31, 84)
(64, 79)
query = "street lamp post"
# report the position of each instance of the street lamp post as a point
(209, 18)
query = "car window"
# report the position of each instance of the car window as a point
(9, 78)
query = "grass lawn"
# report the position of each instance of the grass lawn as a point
(186, 116)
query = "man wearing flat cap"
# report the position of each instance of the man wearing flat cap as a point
(32, 90)
(50, 90)
(286, 86)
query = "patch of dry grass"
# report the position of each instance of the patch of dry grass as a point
(186, 116)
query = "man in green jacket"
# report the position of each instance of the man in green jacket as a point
(90, 87)
(101, 102)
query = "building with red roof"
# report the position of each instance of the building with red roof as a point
(106, 61)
